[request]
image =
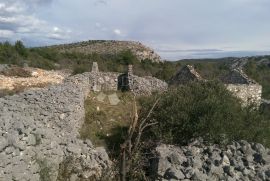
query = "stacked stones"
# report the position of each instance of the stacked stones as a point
(147, 85)
(237, 82)
(109, 81)
(103, 81)
(243, 87)
(197, 161)
(130, 77)
(39, 130)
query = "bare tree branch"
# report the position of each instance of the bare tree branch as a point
(127, 149)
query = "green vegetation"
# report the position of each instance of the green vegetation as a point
(51, 58)
(207, 110)
(103, 120)
(16, 71)
(45, 170)
(261, 73)
(199, 109)
(19, 47)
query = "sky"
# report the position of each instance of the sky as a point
(176, 29)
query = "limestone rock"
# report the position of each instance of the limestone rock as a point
(210, 162)
(39, 131)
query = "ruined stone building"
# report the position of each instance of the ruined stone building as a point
(113, 81)
(243, 87)
(185, 75)
(236, 81)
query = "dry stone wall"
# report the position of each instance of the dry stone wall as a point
(110, 81)
(104, 81)
(146, 85)
(244, 88)
(246, 92)
(39, 130)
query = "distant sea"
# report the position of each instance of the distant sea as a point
(201, 54)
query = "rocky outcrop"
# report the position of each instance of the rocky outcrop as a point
(112, 47)
(197, 161)
(39, 131)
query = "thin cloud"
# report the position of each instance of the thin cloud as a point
(17, 23)
(100, 2)
(117, 32)
(6, 34)
(179, 28)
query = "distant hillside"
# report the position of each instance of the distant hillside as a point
(110, 47)
(114, 56)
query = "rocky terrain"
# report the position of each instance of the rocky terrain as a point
(15, 79)
(197, 161)
(39, 129)
(39, 132)
(111, 47)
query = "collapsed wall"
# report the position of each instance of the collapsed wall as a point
(248, 93)
(243, 87)
(146, 85)
(39, 130)
(185, 75)
(112, 81)
(237, 82)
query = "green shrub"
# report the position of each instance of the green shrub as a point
(207, 110)
(260, 73)
(126, 57)
(80, 69)
(16, 71)
(19, 47)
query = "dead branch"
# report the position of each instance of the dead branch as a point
(127, 149)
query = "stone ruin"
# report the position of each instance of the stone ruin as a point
(185, 75)
(236, 81)
(243, 87)
(39, 129)
(112, 81)
(39, 134)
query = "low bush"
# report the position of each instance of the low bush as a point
(80, 69)
(16, 71)
(207, 110)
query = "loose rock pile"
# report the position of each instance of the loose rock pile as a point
(237, 161)
(146, 85)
